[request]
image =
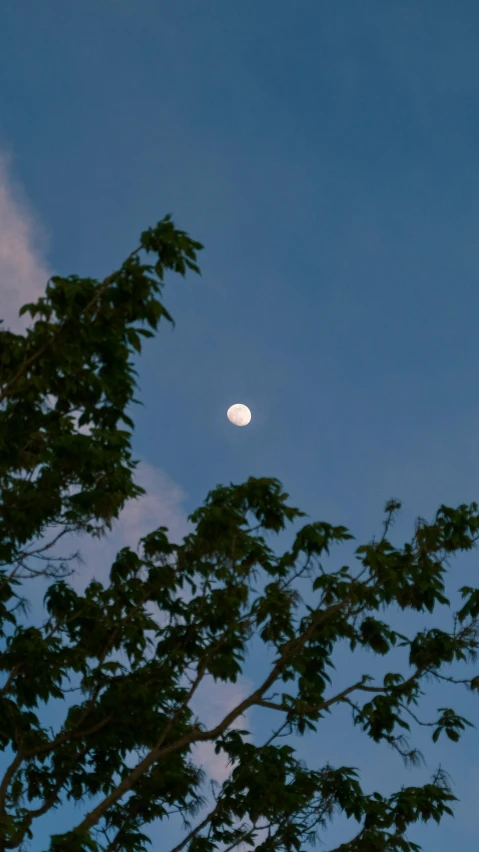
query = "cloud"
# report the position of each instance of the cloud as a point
(162, 505)
(23, 271)
(212, 703)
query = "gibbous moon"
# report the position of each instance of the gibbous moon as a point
(239, 414)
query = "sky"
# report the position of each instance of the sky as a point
(325, 153)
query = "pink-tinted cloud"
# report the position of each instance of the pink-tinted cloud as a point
(162, 505)
(212, 703)
(23, 270)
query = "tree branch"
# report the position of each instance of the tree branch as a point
(221, 796)
(196, 734)
(29, 816)
(36, 355)
(199, 827)
(16, 762)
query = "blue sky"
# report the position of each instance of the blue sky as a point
(326, 155)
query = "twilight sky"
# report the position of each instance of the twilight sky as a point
(326, 155)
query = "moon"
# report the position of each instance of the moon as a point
(239, 414)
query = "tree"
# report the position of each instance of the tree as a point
(205, 589)
(69, 375)
(220, 590)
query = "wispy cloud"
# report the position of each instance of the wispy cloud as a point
(162, 505)
(23, 270)
(212, 703)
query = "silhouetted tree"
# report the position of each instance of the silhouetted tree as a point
(220, 590)
(71, 370)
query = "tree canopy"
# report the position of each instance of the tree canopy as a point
(73, 369)
(129, 741)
